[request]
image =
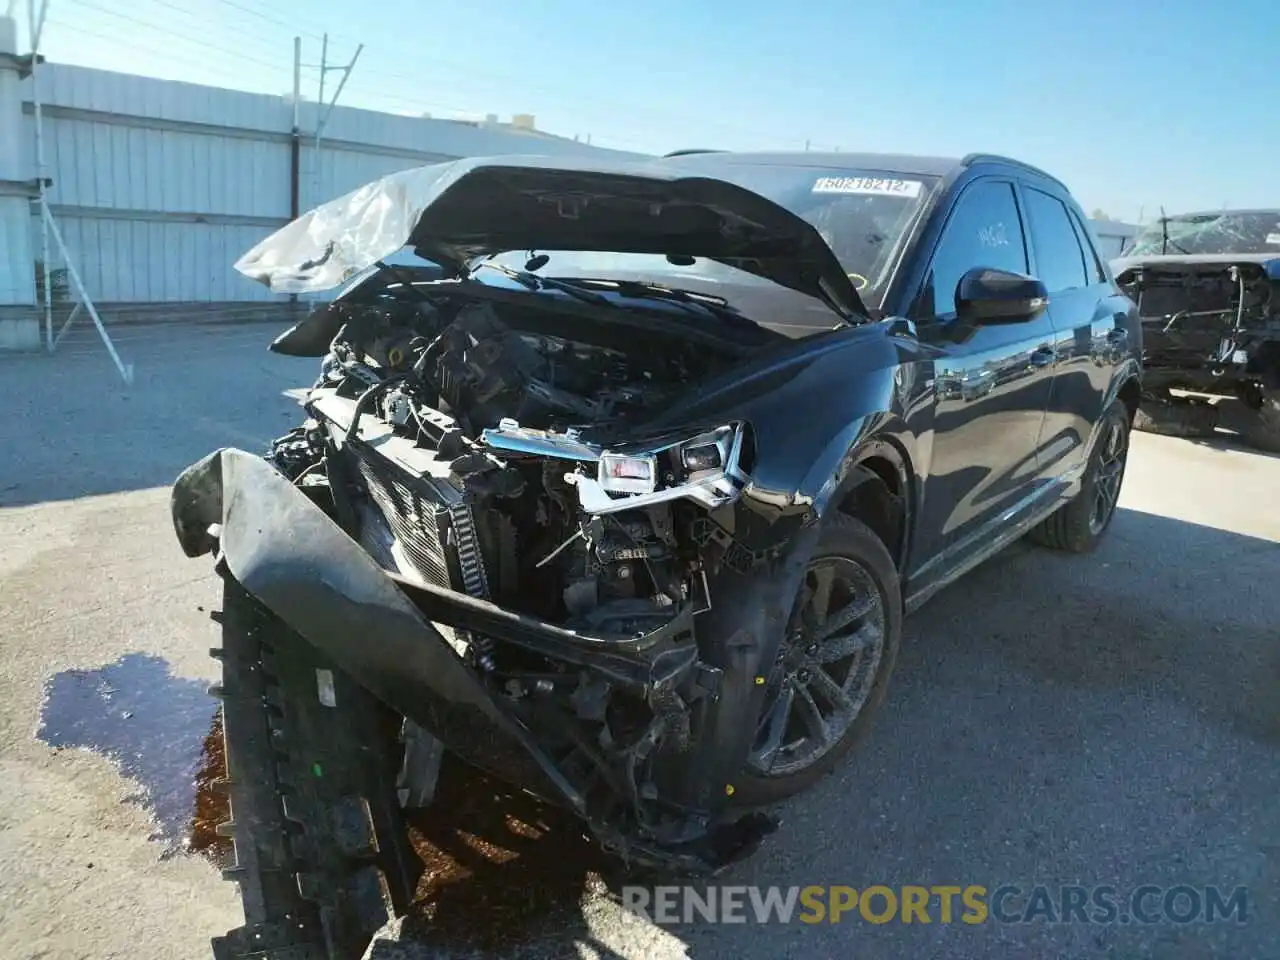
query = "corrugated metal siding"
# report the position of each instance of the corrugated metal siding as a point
(17, 280)
(139, 165)
(145, 261)
(99, 164)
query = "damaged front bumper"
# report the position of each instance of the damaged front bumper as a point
(287, 552)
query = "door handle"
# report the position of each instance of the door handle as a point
(1043, 357)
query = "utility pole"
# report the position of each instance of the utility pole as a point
(295, 133)
(295, 141)
(51, 236)
(325, 109)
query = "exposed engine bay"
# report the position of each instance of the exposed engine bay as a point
(1208, 325)
(463, 444)
(504, 416)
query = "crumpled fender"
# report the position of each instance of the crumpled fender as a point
(751, 610)
(303, 567)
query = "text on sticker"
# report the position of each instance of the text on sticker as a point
(877, 185)
(1273, 238)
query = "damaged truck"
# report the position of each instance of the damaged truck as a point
(1208, 290)
(617, 481)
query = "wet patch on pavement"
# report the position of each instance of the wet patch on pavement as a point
(500, 867)
(162, 731)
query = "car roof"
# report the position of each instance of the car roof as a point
(891, 162)
(903, 163)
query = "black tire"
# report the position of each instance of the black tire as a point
(1192, 419)
(1260, 427)
(844, 540)
(1078, 525)
(322, 855)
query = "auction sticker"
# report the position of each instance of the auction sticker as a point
(1273, 238)
(885, 186)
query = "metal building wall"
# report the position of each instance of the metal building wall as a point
(1113, 236)
(159, 186)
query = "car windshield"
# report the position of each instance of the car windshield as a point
(1209, 233)
(864, 215)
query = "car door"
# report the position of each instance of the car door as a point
(991, 383)
(1089, 328)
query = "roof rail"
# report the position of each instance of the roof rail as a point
(1009, 161)
(685, 153)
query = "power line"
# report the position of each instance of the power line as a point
(179, 36)
(294, 31)
(366, 92)
(270, 19)
(172, 56)
(242, 34)
(579, 96)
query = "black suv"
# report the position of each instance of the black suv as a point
(617, 482)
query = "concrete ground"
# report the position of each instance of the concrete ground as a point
(1053, 720)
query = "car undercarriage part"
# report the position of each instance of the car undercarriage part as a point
(321, 855)
(1211, 337)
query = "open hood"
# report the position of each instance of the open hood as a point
(453, 212)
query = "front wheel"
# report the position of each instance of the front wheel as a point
(1260, 426)
(1079, 524)
(833, 666)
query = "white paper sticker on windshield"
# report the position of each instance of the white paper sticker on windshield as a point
(874, 185)
(1273, 238)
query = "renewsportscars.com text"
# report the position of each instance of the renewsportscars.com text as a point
(970, 904)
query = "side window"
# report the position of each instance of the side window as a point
(1092, 261)
(983, 231)
(1059, 259)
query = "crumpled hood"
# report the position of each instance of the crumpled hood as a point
(453, 212)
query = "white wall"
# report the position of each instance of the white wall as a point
(159, 186)
(1113, 236)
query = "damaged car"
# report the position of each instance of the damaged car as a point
(1208, 289)
(617, 481)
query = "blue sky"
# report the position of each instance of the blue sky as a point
(1134, 104)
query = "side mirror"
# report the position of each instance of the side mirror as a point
(986, 296)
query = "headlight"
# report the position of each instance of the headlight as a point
(623, 474)
(704, 469)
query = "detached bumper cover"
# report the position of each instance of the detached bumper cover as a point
(303, 567)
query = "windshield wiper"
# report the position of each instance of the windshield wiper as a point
(718, 307)
(532, 281)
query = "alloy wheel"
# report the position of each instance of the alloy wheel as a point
(825, 670)
(1114, 449)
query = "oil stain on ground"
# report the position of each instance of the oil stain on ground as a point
(163, 733)
(500, 867)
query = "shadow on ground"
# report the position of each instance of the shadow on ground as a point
(1052, 722)
(502, 871)
(1226, 441)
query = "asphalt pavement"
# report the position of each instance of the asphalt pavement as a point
(1101, 721)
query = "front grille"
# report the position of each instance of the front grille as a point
(420, 523)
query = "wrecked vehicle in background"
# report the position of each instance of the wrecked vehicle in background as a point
(1208, 290)
(627, 507)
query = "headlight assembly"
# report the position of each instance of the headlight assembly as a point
(705, 469)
